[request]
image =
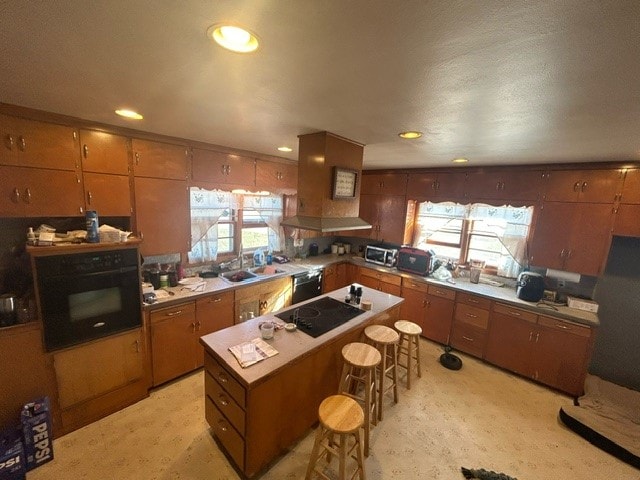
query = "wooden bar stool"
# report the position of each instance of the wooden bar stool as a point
(385, 339)
(409, 347)
(342, 416)
(358, 381)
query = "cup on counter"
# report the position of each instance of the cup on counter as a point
(266, 330)
(474, 274)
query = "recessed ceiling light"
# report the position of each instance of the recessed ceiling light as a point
(460, 160)
(410, 134)
(233, 38)
(123, 112)
(285, 149)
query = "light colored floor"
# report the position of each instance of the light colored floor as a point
(478, 417)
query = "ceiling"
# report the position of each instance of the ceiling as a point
(493, 81)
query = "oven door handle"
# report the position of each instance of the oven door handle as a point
(92, 274)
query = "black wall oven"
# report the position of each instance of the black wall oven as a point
(88, 295)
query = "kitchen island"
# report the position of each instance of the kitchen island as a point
(257, 413)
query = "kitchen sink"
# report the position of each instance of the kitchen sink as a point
(261, 270)
(249, 274)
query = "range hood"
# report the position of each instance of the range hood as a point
(325, 205)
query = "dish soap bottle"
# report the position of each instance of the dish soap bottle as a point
(269, 257)
(258, 258)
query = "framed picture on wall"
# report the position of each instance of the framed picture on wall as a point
(344, 183)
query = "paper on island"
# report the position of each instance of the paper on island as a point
(250, 353)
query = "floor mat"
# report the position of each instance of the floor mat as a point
(482, 474)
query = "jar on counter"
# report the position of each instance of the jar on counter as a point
(164, 280)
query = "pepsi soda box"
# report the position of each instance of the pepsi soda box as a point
(12, 462)
(36, 433)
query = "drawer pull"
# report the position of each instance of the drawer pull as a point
(468, 339)
(173, 314)
(222, 426)
(564, 327)
(223, 400)
(515, 314)
(215, 300)
(222, 377)
(16, 195)
(439, 292)
(472, 315)
(472, 300)
(23, 143)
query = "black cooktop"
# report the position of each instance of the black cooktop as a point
(320, 316)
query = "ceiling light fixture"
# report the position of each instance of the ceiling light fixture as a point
(233, 38)
(123, 112)
(285, 149)
(410, 134)
(460, 160)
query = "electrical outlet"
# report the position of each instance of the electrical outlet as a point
(561, 283)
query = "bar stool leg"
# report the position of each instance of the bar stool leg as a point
(416, 338)
(405, 338)
(315, 453)
(394, 372)
(381, 377)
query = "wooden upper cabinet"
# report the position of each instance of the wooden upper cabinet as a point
(27, 143)
(108, 195)
(422, 185)
(104, 153)
(276, 177)
(438, 187)
(518, 185)
(627, 220)
(36, 192)
(631, 188)
(160, 160)
(388, 184)
(592, 186)
(163, 217)
(223, 168)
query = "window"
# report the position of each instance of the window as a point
(494, 235)
(224, 222)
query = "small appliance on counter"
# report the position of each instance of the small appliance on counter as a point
(380, 255)
(313, 250)
(415, 260)
(530, 286)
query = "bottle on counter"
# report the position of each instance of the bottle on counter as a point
(269, 257)
(31, 236)
(91, 219)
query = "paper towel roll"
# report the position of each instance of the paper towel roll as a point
(561, 275)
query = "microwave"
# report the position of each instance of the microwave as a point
(380, 255)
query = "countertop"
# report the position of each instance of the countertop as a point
(290, 345)
(502, 294)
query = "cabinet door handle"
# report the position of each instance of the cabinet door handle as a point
(497, 185)
(89, 197)
(27, 195)
(569, 253)
(23, 143)
(530, 335)
(10, 141)
(472, 315)
(537, 337)
(16, 195)
(576, 186)
(468, 339)
(193, 327)
(562, 253)
(137, 346)
(172, 314)
(137, 155)
(583, 187)
(85, 150)
(198, 325)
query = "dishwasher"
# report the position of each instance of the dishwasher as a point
(306, 285)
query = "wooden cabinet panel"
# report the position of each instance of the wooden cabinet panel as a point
(109, 195)
(386, 213)
(386, 184)
(470, 323)
(571, 236)
(631, 188)
(276, 177)
(104, 153)
(597, 186)
(231, 440)
(90, 370)
(509, 341)
(34, 192)
(173, 342)
(223, 168)
(163, 218)
(225, 403)
(421, 186)
(468, 338)
(473, 300)
(27, 143)
(517, 185)
(627, 221)
(437, 187)
(384, 282)
(213, 313)
(334, 277)
(475, 316)
(160, 160)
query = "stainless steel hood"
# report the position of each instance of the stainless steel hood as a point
(320, 156)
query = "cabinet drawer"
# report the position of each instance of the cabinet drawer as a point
(172, 312)
(468, 338)
(223, 299)
(231, 440)
(442, 292)
(225, 403)
(515, 312)
(473, 300)
(382, 276)
(230, 384)
(569, 327)
(472, 315)
(415, 285)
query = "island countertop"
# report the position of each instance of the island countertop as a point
(291, 346)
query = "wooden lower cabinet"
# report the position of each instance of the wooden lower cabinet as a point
(384, 282)
(100, 377)
(334, 277)
(471, 320)
(262, 298)
(213, 313)
(546, 349)
(429, 306)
